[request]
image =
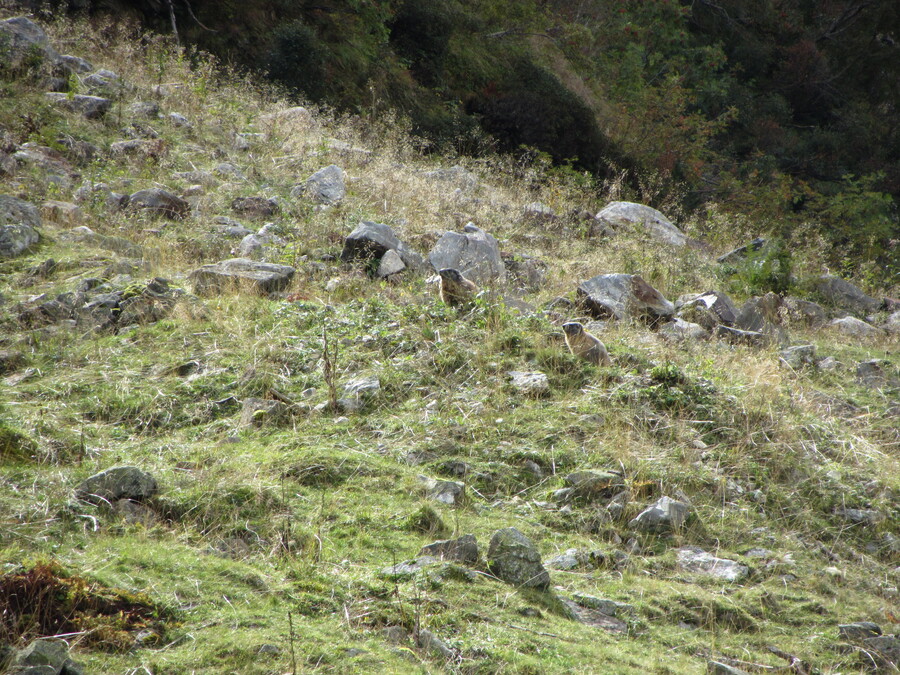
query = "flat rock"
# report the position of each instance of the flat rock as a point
(89, 107)
(513, 558)
(409, 568)
(842, 294)
(529, 383)
(666, 515)
(160, 202)
(118, 482)
(371, 240)
(643, 218)
(624, 296)
(241, 274)
(474, 252)
(464, 549)
(694, 560)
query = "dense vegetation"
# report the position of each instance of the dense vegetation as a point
(785, 111)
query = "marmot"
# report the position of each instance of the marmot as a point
(455, 288)
(583, 344)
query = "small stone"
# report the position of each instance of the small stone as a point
(429, 642)
(119, 482)
(799, 356)
(447, 492)
(325, 186)
(693, 559)
(666, 515)
(513, 558)
(530, 384)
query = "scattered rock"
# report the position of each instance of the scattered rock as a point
(853, 327)
(799, 356)
(638, 217)
(475, 253)
(743, 337)
(741, 252)
(325, 186)
(591, 616)
(464, 549)
(665, 516)
(159, 202)
(118, 482)
(514, 559)
(680, 330)
(103, 82)
(709, 310)
(530, 384)
(433, 645)
(258, 412)
(255, 207)
(89, 107)
(447, 492)
(873, 373)
(372, 240)
(804, 312)
(695, 560)
(844, 295)
(18, 220)
(624, 296)
(241, 274)
(148, 109)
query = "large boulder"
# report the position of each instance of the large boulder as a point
(853, 327)
(513, 558)
(21, 40)
(89, 107)
(624, 296)
(160, 202)
(241, 274)
(119, 482)
(18, 220)
(475, 253)
(325, 186)
(639, 217)
(371, 241)
(844, 295)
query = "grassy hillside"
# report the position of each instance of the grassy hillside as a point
(265, 549)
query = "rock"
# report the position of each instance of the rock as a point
(394, 634)
(624, 296)
(100, 193)
(18, 220)
(325, 186)
(525, 273)
(665, 516)
(429, 642)
(229, 227)
(196, 177)
(514, 559)
(391, 263)
(683, 331)
(856, 632)
(844, 295)
(409, 568)
(89, 107)
(883, 652)
(22, 39)
(607, 607)
(61, 213)
(447, 492)
(52, 652)
(859, 516)
(695, 560)
(86, 235)
(709, 310)
(258, 207)
(159, 202)
(179, 120)
(241, 274)
(804, 312)
(458, 176)
(719, 668)
(10, 361)
(56, 168)
(741, 252)
(259, 412)
(640, 218)
(148, 109)
(799, 356)
(872, 373)
(591, 616)
(892, 323)
(530, 384)
(119, 482)
(574, 559)
(154, 148)
(743, 337)
(464, 549)
(228, 170)
(363, 387)
(475, 253)
(372, 240)
(590, 486)
(76, 64)
(853, 327)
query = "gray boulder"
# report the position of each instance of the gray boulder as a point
(103, 83)
(325, 186)
(448, 492)
(844, 295)
(258, 207)
(119, 482)
(45, 652)
(372, 240)
(666, 515)
(89, 107)
(709, 310)
(18, 220)
(514, 559)
(694, 560)
(21, 39)
(475, 253)
(530, 384)
(464, 549)
(853, 327)
(804, 312)
(159, 202)
(798, 356)
(75, 64)
(391, 263)
(624, 296)
(241, 274)
(859, 630)
(680, 330)
(641, 218)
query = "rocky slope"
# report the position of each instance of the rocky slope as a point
(241, 432)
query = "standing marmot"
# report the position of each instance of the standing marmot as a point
(583, 344)
(455, 288)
